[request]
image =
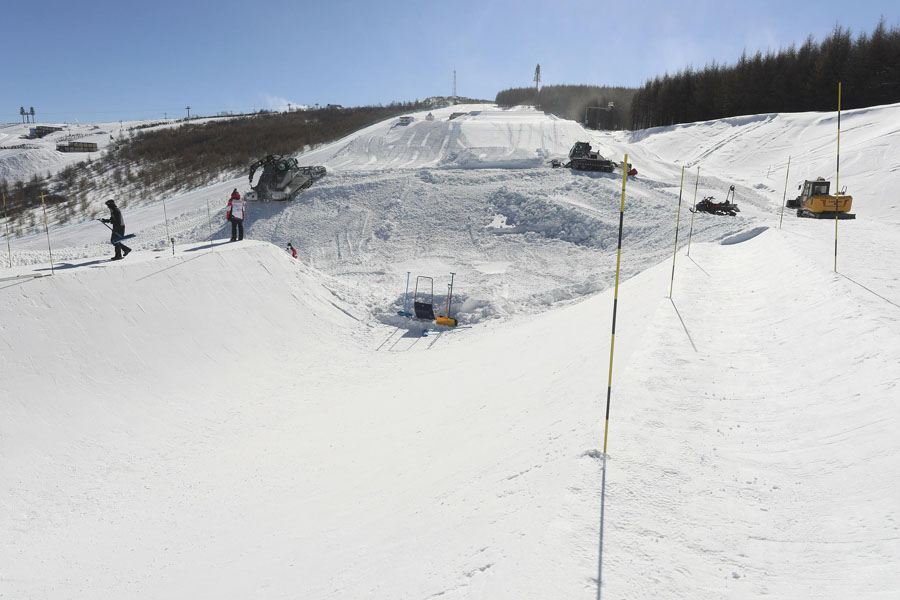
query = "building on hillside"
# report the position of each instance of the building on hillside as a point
(406, 120)
(77, 147)
(41, 130)
(457, 114)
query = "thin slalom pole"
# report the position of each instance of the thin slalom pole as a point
(677, 223)
(612, 341)
(784, 198)
(6, 218)
(166, 217)
(693, 209)
(837, 179)
(208, 221)
(47, 229)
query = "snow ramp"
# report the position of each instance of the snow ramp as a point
(157, 328)
(476, 137)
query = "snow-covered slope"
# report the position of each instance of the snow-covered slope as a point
(22, 157)
(230, 422)
(755, 151)
(474, 195)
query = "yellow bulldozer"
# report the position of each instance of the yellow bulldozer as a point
(816, 202)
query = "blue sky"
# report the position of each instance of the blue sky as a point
(109, 60)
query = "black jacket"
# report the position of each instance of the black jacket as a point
(115, 217)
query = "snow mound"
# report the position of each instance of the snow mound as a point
(153, 313)
(743, 236)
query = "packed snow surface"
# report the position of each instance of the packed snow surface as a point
(216, 419)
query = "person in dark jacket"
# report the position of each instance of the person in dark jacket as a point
(118, 229)
(236, 215)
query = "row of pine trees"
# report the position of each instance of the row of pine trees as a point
(791, 80)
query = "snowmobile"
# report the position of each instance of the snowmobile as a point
(709, 205)
(282, 179)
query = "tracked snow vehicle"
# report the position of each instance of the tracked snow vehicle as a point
(709, 205)
(582, 158)
(282, 179)
(816, 202)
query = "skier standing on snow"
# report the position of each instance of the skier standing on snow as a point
(236, 215)
(118, 229)
(292, 250)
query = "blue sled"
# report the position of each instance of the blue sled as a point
(124, 237)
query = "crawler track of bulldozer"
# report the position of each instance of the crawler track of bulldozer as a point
(282, 179)
(582, 158)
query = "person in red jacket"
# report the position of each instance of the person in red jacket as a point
(292, 250)
(236, 216)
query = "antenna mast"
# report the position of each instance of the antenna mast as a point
(454, 86)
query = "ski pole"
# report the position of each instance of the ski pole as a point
(117, 236)
(111, 229)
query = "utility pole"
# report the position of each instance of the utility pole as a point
(189, 113)
(454, 86)
(537, 78)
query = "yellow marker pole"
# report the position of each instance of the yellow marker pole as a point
(677, 223)
(784, 198)
(612, 342)
(837, 179)
(691, 232)
(6, 218)
(47, 229)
